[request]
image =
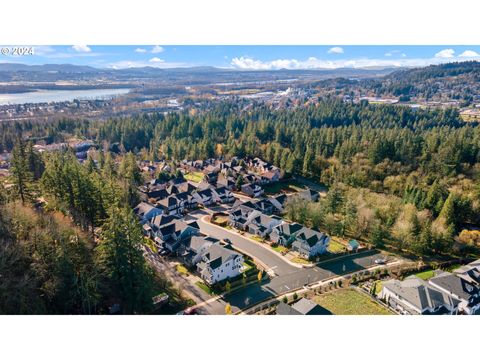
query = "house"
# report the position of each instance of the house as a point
(171, 205)
(222, 195)
(211, 177)
(189, 201)
(171, 235)
(252, 190)
(260, 224)
(228, 182)
(467, 293)
(309, 195)
(301, 307)
(265, 206)
(193, 248)
(145, 211)
(415, 296)
(204, 197)
(284, 234)
(310, 243)
(278, 202)
(270, 176)
(219, 263)
(353, 245)
(239, 215)
(152, 226)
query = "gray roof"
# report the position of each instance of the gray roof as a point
(455, 285)
(217, 254)
(419, 293)
(301, 307)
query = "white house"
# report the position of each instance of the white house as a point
(219, 263)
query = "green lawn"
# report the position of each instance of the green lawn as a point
(300, 260)
(336, 247)
(256, 238)
(182, 269)
(279, 248)
(194, 176)
(205, 287)
(350, 302)
(425, 275)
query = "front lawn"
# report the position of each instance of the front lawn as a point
(336, 247)
(350, 302)
(300, 260)
(194, 176)
(182, 269)
(205, 287)
(279, 248)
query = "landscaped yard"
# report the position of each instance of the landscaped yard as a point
(425, 275)
(288, 186)
(300, 260)
(205, 287)
(194, 176)
(336, 247)
(182, 269)
(279, 248)
(256, 238)
(350, 302)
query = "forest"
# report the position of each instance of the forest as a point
(399, 178)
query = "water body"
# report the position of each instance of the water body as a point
(46, 96)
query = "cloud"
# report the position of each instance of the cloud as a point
(469, 54)
(335, 50)
(157, 49)
(156, 60)
(140, 50)
(81, 48)
(43, 50)
(445, 53)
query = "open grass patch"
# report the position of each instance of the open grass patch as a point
(350, 302)
(279, 248)
(182, 269)
(300, 260)
(256, 238)
(425, 275)
(194, 176)
(336, 247)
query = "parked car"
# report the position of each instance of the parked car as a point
(380, 261)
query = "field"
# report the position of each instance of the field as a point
(194, 176)
(286, 186)
(350, 302)
(425, 275)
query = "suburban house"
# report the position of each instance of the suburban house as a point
(240, 214)
(284, 234)
(270, 176)
(301, 307)
(146, 211)
(252, 190)
(152, 226)
(467, 293)
(415, 296)
(204, 197)
(219, 263)
(265, 206)
(260, 224)
(310, 243)
(278, 202)
(172, 234)
(222, 195)
(192, 249)
(171, 205)
(228, 182)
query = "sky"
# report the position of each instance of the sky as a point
(243, 57)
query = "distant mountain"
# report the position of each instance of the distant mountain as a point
(62, 68)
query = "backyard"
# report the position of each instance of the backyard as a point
(350, 302)
(194, 176)
(288, 186)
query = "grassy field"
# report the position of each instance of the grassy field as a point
(350, 302)
(288, 186)
(425, 275)
(336, 247)
(194, 176)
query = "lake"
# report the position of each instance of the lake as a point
(45, 96)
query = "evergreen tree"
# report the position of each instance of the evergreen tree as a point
(22, 176)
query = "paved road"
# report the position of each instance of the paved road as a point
(271, 260)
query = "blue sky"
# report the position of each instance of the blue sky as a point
(246, 57)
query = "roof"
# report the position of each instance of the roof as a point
(196, 242)
(288, 228)
(217, 254)
(419, 293)
(308, 307)
(310, 236)
(455, 285)
(143, 208)
(353, 243)
(160, 220)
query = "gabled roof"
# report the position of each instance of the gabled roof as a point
(161, 220)
(143, 208)
(419, 293)
(288, 229)
(455, 285)
(309, 235)
(217, 254)
(308, 307)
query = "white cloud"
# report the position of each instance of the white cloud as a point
(335, 50)
(156, 60)
(445, 53)
(157, 49)
(81, 48)
(140, 50)
(469, 53)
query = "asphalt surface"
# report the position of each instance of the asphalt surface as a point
(271, 260)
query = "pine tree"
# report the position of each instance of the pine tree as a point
(22, 176)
